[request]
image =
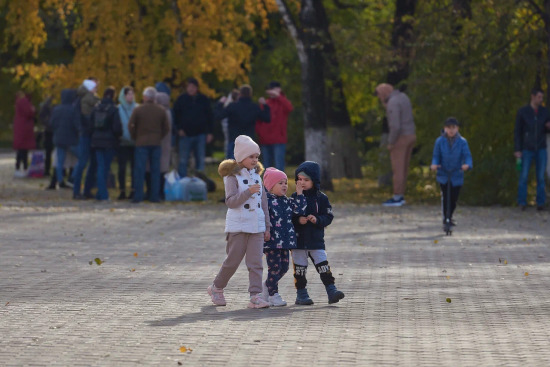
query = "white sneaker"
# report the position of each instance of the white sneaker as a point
(276, 300)
(256, 301)
(265, 292)
(217, 295)
(19, 173)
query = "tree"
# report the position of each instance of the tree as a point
(134, 42)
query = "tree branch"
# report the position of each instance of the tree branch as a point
(341, 5)
(539, 10)
(293, 29)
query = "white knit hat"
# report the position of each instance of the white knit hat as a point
(245, 147)
(89, 84)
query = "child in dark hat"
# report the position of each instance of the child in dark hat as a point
(451, 157)
(310, 233)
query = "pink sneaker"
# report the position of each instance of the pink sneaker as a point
(217, 295)
(256, 301)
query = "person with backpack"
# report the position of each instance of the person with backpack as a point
(106, 132)
(85, 103)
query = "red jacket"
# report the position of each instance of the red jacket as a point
(274, 132)
(23, 125)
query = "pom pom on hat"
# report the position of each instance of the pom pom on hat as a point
(245, 147)
(272, 176)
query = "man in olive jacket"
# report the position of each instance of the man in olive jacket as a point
(148, 125)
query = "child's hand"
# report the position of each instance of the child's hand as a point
(267, 235)
(299, 188)
(312, 218)
(302, 220)
(254, 188)
(434, 167)
(465, 167)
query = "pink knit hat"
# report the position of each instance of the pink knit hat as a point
(272, 176)
(244, 147)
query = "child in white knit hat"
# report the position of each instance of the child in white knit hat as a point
(247, 222)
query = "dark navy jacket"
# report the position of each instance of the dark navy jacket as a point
(451, 159)
(281, 210)
(312, 236)
(109, 137)
(242, 116)
(193, 114)
(530, 129)
(65, 120)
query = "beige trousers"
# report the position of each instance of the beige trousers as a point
(239, 245)
(400, 159)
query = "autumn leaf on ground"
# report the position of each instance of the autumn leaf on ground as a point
(135, 254)
(7, 303)
(185, 350)
(436, 241)
(448, 277)
(98, 261)
(112, 210)
(526, 274)
(132, 270)
(505, 262)
(448, 300)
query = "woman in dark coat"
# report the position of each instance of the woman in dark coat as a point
(23, 132)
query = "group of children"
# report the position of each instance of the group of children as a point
(261, 217)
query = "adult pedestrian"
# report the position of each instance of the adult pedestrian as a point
(125, 151)
(87, 100)
(401, 138)
(44, 118)
(273, 135)
(194, 121)
(148, 125)
(163, 100)
(532, 122)
(242, 116)
(23, 132)
(65, 122)
(106, 131)
(231, 97)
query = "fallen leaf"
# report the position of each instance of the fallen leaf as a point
(436, 241)
(180, 364)
(499, 260)
(135, 254)
(132, 269)
(98, 261)
(448, 300)
(526, 274)
(505, 262)
(183, 349)
(7, 303)
(448, 277)
(112, 210)
(90, 262)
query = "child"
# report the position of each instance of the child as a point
(451, 156)
(282, 236)
(247, 223)
(310, 231)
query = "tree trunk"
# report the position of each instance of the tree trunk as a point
(401, 39)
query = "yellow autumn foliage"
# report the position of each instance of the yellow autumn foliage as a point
(124, 42)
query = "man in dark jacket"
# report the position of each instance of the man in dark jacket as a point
(106, 132)
(532, 121)
(44, 117)
(65, 122)
(194, 122)
(242, 116)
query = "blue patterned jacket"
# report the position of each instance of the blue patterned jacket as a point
(281, 211)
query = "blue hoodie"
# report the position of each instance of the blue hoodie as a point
(125, 110)
(312, 236)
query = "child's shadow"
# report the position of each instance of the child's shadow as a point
(211, 313)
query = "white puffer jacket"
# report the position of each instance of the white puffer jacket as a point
(248, 217)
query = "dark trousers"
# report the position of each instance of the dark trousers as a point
(455, 190)
(22, 157)
(143, 154)
(48, 147)
(277, 266)
(125, 155)
(148, 185)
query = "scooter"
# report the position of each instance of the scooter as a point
(447, 226)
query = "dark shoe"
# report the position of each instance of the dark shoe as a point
(334, 295)
(453, 223)
(122, 196)
(302, 298)
(50, 187)
(540, 208)
(134, 201)
(393, 202)
(523, 207)
(131, 196)
(88, 196)
(78, 197)
(63, 185)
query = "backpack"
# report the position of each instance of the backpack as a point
(101, 117)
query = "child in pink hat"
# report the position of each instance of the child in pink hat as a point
(282, 235)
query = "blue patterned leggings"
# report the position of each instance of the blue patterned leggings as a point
(277, 266)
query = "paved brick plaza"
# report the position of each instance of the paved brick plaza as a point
(394, 266)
